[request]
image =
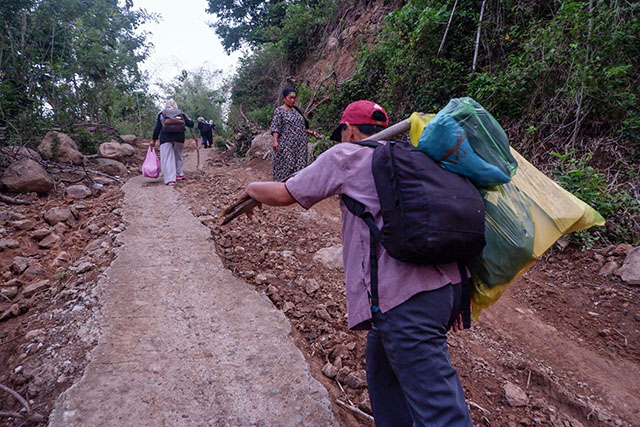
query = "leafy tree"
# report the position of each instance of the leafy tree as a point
(253, 22)
(66, 60)
(134, 112)
(199, 93)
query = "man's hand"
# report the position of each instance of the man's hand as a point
(152, 144)
(249, 210)
(457, 324)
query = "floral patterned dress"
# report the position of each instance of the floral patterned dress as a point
(292, 155)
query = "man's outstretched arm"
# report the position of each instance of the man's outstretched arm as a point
(270, 193)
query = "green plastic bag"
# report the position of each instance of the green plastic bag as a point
(509, 233)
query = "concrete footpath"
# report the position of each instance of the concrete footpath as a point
(184, 342)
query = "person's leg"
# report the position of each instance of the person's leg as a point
(387, 399)
(203, 141)
(414, 338)
(167, 162)
(177, 148)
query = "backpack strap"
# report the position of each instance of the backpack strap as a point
(358, 210)
(367, 143)
(465, 300)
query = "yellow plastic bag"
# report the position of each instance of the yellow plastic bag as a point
(554, 211)
(417, 122)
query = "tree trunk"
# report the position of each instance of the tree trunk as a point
(475, 53)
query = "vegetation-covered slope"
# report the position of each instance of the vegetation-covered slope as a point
(561, 76)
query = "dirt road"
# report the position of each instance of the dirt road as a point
(183, 341)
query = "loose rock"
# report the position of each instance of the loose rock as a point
(630, 270)
(33, 288)
(329, 370)
(110, 166)
(9, 292)
(19, 264)
(330, 257)
(50, 241)
(311, 286)
(515, 395)
(609, 268)
(127, 150)
(34, 271)
(23, 224)
(110, 150)
(78, 191)
(9, 244)
(355, 380)
(56, 215)
(66, 150)
(25, 176)
(41, 233)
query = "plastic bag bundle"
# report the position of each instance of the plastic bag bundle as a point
(467, 140)
(151, 164)
(509, 234)
(554, 213)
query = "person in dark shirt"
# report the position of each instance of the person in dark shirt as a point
(206, 132)
(171, 141)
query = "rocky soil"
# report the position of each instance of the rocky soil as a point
(52, 253)
(560, 348)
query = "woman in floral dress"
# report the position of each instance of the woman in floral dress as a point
(289, 129)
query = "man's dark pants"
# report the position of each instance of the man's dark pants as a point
(409, 372)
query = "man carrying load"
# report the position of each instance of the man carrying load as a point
(408, 308)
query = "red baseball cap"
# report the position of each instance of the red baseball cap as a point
(360, 113)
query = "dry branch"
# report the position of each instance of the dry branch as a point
(309, 108)
(354, 409)
(28, 415)
(13, 201)
(475, 405)
(446, 31)
(475, 52)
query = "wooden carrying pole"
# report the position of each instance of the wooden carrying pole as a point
(241, 206)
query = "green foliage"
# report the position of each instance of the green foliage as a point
(55, 146)
(87, 142)
(252, 22)
(134, 113)
(616, 205)
(61, 274)
(65, 61)
(578, 177)
(260, 78)
(560, 76)
(262, 116)
(300, 26)
(199, 94)
(258, 22)
(319, 147)
(282, 34)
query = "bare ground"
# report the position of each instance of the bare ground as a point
(564, 334)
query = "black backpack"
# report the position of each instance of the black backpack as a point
(172, 120)
(430, 215)
(204, 127)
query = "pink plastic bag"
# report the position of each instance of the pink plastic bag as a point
(151, 165)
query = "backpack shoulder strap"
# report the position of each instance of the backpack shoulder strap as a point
(358, 209)
(367, 143)
(465, 300)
